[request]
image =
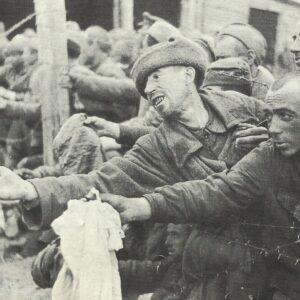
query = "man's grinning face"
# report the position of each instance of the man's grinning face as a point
(167, 89)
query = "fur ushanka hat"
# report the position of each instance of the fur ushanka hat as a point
(177, 51)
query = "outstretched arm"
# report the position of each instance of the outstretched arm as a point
(124, 134)
(219, 196)
(139, 172)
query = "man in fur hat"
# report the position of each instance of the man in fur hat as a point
(269, 173)
(195, 140)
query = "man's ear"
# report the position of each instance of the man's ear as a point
(251, 56)
(190, 73)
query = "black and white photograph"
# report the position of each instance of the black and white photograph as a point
(149, 149)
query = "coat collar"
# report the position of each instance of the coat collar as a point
(232, 108)
(226, 110)
(180, 141)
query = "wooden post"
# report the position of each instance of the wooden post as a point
(116, 14)
(53, 57)
(127, 9)
(188, 14)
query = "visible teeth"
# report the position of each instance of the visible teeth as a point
(158, 100)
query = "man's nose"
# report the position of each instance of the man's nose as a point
(168, 241)
(149, 88)
(274, 127)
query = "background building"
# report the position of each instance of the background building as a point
(274, 18)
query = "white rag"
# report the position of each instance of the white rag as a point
(90, 234)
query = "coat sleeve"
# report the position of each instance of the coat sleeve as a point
(47, 171)
(130, 134)
(137, 173)
(101, 88)
(217, 197)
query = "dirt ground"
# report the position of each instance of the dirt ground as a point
(16, 282)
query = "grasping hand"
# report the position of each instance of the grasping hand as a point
(27, 173)
(13, 187)
(130, 209)
(103, 127)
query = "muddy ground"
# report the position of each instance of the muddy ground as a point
(16, 282)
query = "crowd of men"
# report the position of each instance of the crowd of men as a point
(187, 136)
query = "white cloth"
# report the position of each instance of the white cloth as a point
(90, 234)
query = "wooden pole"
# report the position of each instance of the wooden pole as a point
(127, 9)
(188, 14)
(53, 57)
(116, 14)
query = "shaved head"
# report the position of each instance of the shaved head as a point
(283, 111)
(278, 84)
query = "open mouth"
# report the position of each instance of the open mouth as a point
(280, 144)
(297, 58)
(157, 100)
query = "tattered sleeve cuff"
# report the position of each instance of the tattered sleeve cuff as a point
(41, 215)
(159, 211)
(125, 137)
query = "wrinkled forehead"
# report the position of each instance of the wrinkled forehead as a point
(178, 228)
(288, 96)
(274, 98)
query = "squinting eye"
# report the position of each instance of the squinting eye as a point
(155, 76)
(285, 117)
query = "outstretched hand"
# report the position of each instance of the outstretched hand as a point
(25, 173)
(103, 127)
(13, 187)
(130, 209)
